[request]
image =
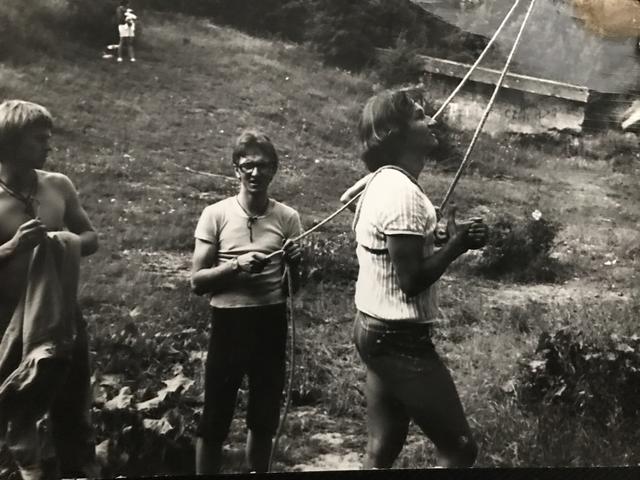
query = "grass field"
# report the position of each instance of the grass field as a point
(125, 132)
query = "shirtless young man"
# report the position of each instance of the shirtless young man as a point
(32, 203)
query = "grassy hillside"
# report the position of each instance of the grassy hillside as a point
(125, 132)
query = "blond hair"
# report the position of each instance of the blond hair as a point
(18, 115)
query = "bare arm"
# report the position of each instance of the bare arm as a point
(415, 272)
(206, 278)
(27, 237)
(76, 218)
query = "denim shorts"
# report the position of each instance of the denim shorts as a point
(409, 342)
(404, 368)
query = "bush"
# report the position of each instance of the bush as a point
(521, 249)
(330, 258)
(42, 25)
(92, 22)
(341, 34)
(29, 28)
(598, 379)
(400, 65)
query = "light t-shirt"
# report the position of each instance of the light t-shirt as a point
(393, 203)
(226, 225)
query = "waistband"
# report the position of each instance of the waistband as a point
(393, 326)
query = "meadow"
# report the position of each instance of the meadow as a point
(124, 134)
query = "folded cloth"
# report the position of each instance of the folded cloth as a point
(36, 348)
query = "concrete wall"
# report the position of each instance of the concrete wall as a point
(514, 110)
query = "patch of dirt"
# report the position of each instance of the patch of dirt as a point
(574, 291)
(332, 461)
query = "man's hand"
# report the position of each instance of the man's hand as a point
(474, 233)
(28, 236)
(253, 262)
(292, 252)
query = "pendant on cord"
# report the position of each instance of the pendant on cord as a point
(250, 221)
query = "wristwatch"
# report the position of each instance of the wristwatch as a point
(235, 265)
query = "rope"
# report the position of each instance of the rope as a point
(477, 62)
(318, 225)
(292, 366)
(487, 110)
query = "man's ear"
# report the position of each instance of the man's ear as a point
(237, 172)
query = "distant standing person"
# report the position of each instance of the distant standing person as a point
(126, 30)
(248, 309)
(45, 395)
(395, 291)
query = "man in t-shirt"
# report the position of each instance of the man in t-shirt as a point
(249, 320)
(399, 267)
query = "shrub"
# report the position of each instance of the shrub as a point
(598, 379)
(29, 28)
(520, 249)
(341, 33)
(400, 65)
(42, 25)
(330, 257)
(93, 23)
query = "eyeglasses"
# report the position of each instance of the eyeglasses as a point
(249, 167)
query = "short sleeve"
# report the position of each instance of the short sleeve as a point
(293, 226)
(207, 228)
(404, 211)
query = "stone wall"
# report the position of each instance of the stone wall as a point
(524, 104)
(514, 111)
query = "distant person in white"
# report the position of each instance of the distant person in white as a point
(395, 292)
(126, 30)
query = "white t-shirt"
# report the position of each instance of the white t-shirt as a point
(393, 203)
(226, 225)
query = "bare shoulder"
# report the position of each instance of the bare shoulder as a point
(57, 181)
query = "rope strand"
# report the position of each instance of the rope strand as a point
(487, 110)
(292, 365)
(477, 62)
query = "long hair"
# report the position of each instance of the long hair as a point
(383, 124)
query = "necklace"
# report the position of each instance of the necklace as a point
(251, 219)
(28, 200)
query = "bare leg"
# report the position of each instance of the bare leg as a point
(434, 405)
(387, 423)
(208, 457)
(258, 450)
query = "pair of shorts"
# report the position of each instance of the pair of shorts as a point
(126, 30)
(404, 368)
(247, 341)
